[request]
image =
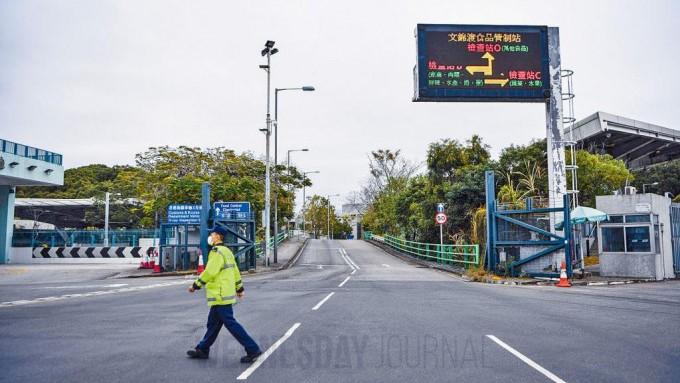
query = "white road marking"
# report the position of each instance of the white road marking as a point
(353, 271)
(386, 265)
(346, 260)
(245, 374)
(343, 282)
(322, 301)
(349, 260)
(89, 294)
(83, 286)
(526, 360)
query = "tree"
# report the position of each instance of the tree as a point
(599, 174)
(317, 215)
(667, 175)
(165, 175)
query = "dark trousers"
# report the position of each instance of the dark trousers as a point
(224, 315)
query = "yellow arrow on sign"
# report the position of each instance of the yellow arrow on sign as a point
(496, 81)
(486, 69)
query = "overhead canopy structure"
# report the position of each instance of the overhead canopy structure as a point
(22, 165)
(637, 143)
(60, 212)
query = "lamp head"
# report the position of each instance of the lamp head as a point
(269, 44)
(308, 88)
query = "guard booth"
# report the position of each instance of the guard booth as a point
(184, 234)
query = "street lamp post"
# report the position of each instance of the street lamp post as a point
(328, 214)
(268, 51)
(304, 199)
(644, 186)
(276, 151)
(106, 217)
(288, 157)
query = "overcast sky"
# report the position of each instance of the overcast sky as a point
(99, 81)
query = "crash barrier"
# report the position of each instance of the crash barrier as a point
(93, 252)
(442, 254)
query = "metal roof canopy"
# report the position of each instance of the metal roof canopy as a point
(637, 143)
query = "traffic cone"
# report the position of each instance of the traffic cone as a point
(156, 266)
(152, 259)
(201, 267)
(564, 281)
(144, 264)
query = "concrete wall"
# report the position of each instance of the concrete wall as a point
(642, 265)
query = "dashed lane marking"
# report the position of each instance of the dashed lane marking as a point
(245, 374)
(90, 294)
(526, 360)
(322, 301)
(343, 282)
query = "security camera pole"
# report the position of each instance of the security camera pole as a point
(268, 51)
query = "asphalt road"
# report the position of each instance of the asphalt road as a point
(389, 322)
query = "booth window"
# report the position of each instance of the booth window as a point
(637, 239)
(634, 218)
(615, 219)
(612, 239)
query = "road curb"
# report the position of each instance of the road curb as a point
(295, 257)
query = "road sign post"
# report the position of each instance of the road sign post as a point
(440, 219)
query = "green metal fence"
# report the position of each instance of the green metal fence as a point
(259, 246)
(442, 254)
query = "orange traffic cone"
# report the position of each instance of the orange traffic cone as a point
(564, 281)
(201, 267)
(155, 265)
(144, 264)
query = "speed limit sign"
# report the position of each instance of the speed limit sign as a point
(440, 218)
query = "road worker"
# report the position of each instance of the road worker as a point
(222, 282)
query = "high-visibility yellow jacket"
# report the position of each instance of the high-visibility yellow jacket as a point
(221, 277)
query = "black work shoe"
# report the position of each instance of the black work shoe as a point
(197, 353)
(250, 358)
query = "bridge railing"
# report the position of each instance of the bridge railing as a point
(444, 254)
(259, 246)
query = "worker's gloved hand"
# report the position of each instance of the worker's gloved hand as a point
(191, 289)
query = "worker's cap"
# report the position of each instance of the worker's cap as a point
(219, 230)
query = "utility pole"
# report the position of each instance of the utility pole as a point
(106, 219)
(276, 151)
(268, 51)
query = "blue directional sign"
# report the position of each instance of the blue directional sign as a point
(232, 210)
(440, 208)
(184, 214)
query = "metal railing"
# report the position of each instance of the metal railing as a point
(69, 238)
(259, 246)
(30, 152)
(443, 254)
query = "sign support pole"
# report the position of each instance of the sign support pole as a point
(205, 216)
(441, 236)
(554, 128)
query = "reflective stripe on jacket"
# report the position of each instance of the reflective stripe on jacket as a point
(221, 277)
